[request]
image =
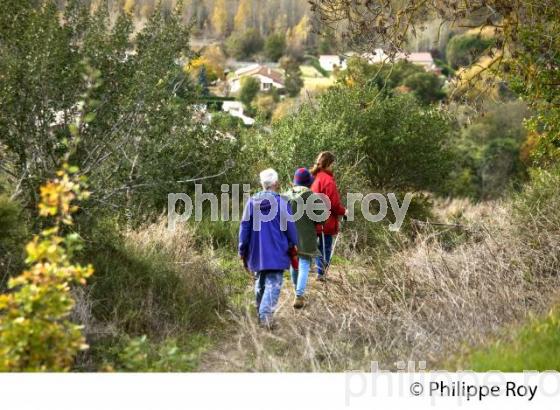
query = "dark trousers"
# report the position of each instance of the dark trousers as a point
(325, 258)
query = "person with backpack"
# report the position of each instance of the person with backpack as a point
(324, 183)
(307, 249)
(266, 236)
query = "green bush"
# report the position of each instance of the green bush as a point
(143, 355)
(488, 153)
(394, 143)
(13, 234)
(463, 50)
(427, 87)
(242, 45)
(275, 46)
(250, 87)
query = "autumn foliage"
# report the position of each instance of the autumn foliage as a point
(35, 331)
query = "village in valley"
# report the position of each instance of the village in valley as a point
(248, 90)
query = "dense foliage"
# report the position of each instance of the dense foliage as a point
(393, 142)
(35, 332)
(142, 140)
(463, 50)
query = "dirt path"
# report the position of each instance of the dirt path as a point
(229, 353)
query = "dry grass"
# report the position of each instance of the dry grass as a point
(449, 290)
(151, 281)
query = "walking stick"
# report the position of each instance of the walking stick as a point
(324, 255)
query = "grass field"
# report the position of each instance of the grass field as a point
(313, 80)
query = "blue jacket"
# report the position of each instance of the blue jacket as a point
(267, 248)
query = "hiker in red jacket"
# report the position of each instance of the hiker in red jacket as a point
(324, 183)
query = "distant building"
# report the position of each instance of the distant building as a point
(268, 77)
(423, 59)
(235, 109)
(330, 62)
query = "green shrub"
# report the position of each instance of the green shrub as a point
(13, 233)
(275, 46)
(394, 143)
(535, 346)
(250, 87)
(143, 355)
(427, 87)
(242, 45)
(463, 50)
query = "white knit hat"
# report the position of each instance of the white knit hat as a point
(268, 177)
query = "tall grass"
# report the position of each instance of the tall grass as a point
(149, 282)
(456, 286)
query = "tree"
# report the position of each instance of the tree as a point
(203, 81)
(142, 141)
(243, 45)
(526, 52)
(250, 87)
(425, 86)
(463, 50)
(244, 15)
(212, 59)
(292, 76)
(275, 46)
(220, 18)
(400, 144)
(298, 37)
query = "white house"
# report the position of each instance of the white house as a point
(329, 62)
(235, 109)
(423, 59)
(268, 77)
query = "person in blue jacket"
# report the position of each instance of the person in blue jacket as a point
(266, 236)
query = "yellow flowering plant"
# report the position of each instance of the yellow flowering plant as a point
(35, 331)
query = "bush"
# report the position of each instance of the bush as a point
(226, 122)
(275, 46)
(293, 81)
(250, 87)
(489, 153)
(395, 143)
(35, 331)
(427, 87)
(13, 232)
(463, 50)
(242, 45)
(143, 355)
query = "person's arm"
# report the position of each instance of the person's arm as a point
(245, 230)
(331, 191)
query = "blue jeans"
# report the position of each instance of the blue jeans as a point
(267, 292)
(299, 277)
(326, 251)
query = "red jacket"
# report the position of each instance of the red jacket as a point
(325, 184)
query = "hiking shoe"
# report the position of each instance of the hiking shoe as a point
(269, 325)
(299, 302)
(321, 278)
